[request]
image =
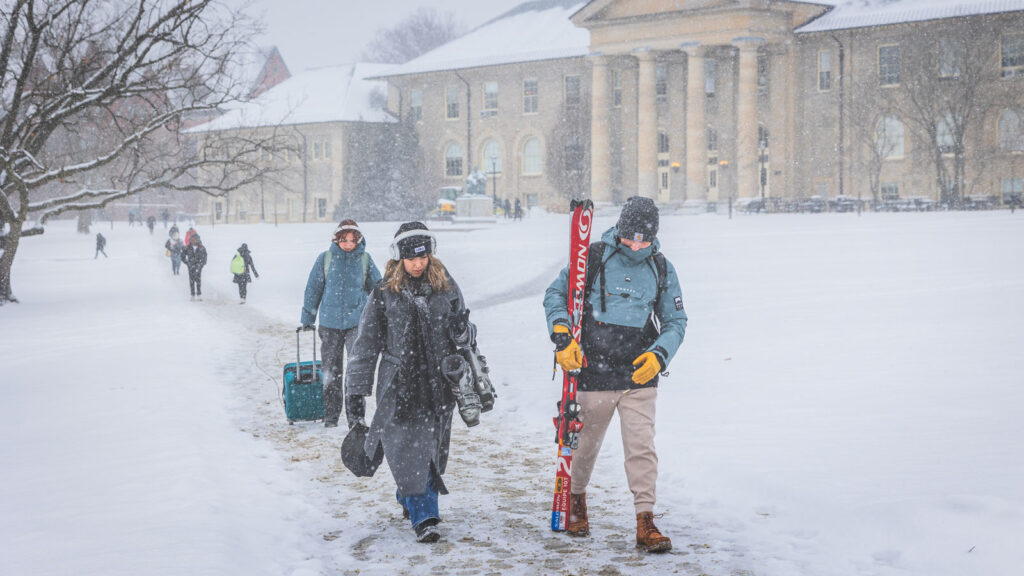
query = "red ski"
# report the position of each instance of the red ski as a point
(568, 422)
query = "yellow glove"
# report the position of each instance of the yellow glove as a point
(649, 366)
(569, 356)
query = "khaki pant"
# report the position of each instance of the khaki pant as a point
(636, 419)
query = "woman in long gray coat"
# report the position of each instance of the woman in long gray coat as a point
(408, 322)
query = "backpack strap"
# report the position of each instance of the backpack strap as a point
(595, 263)
(327, 264)
(366, 266)
(662, 269)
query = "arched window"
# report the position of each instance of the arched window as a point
(532, 163)
(1011, 131)
(492, 157)
(453, 160)
(889, 137)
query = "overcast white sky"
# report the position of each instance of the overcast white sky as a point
(311, 33)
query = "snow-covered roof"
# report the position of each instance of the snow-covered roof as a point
(329, 94)
(866, 13)
(538, 30)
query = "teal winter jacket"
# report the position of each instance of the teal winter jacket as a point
(613, 337)
(340, 293)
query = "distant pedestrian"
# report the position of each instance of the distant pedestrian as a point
(131, 219)
(165, 216)
(241, 265)
(101, 243)
(174, 248)
(519, 210)
(194, 257)
(508, 208)
(150, 223)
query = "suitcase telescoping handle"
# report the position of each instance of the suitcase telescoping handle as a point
(298, 355)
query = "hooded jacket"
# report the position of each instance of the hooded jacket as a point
(612, 338)
(340, 294)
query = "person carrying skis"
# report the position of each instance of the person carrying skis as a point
(337, 288)
(409, 323)
(241, 265)
(174, 248)
(101, 242)
(631, 290)
(194, 257)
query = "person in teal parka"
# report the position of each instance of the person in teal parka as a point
(338, 285)
(633, 323)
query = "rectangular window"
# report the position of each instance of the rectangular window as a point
(572, 91)
(416, 105)
(316, 150)
(664, 180)
(453, 166)
(451, 101)
(490, 99)
(661, 82)
(616, 88)
(321, 207)
(1013, 190)
(712, 178)
(530, 96)
(327, 148)
(890, 191)
(949, 57)
(824, 70)
(889, 65)
(709, 77)
(1011, 53)
(762, 75)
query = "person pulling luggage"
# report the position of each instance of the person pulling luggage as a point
(337, 289)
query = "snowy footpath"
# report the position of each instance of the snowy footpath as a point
(847, 402)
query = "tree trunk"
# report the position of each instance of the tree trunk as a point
(7, 260)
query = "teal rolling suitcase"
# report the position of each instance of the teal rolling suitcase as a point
(303, 386)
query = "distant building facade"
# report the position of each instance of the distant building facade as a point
(696, 102)
(305, 127)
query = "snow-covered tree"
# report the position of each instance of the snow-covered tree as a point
(419, 33)
(92, 96)
(568, 154)
(384, 181)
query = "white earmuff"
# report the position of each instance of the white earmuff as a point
(409, 234)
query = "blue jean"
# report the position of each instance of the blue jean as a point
(421, 506)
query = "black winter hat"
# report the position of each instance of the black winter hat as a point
(409, 244)
(639, 220)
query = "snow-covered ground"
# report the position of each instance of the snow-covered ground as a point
(848, 401)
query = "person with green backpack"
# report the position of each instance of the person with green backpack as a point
(337, 288)
(241, 264)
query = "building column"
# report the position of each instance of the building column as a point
(600, 154)
(696, 126)
(746, 119)
(647, 127)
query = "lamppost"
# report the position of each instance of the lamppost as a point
(494, 179)
(764, 174)
(723, 164)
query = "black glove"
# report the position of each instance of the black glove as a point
(307, 327)
(355, 409)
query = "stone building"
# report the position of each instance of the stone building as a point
(305, 127)
(695, 102)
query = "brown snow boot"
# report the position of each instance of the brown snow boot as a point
(579, 524)
(648, 537)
